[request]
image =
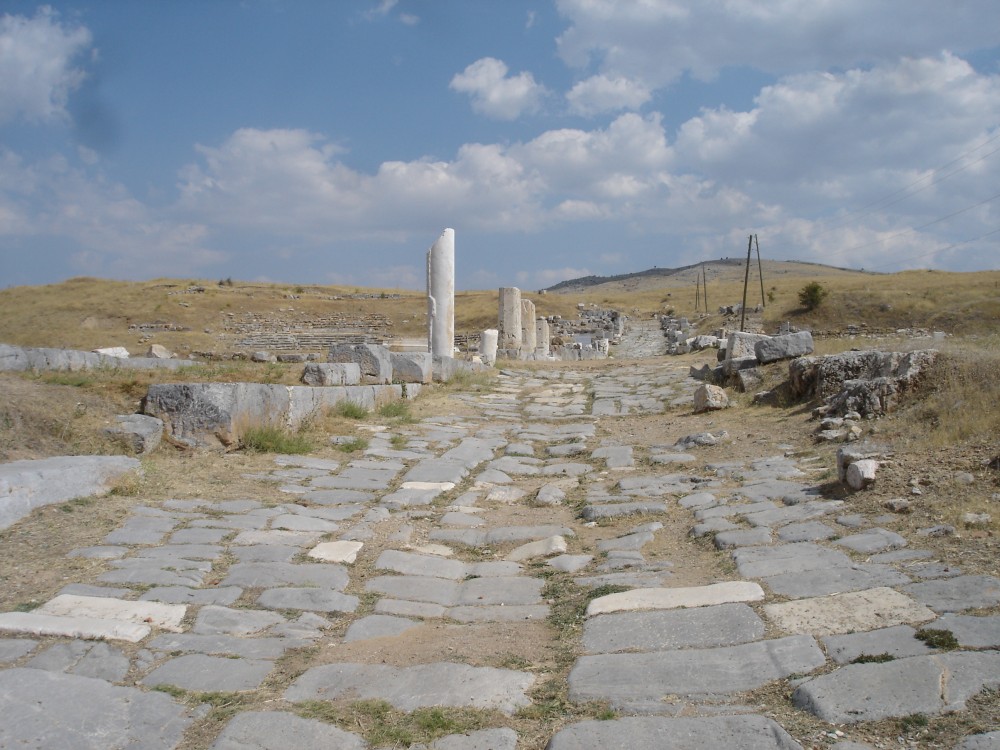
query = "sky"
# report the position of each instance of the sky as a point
(331, 141)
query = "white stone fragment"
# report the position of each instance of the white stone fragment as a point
(156, 614)
(861, 473)
(72, 627)
(340, 552)
(695, 596)
(443, 486)
(553, 545)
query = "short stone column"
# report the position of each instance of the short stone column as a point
(528, 333)
(488, 346)
(441, 295)
(509, 329)
(542, 337)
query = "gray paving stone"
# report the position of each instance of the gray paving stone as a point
(314, 600)
(84, 589)
(808, 531)
(265, 553)
(872, 541)
(233, 523)
(277, 536)
(633, 580)
(225, 645)
(410, 563)
(730, 510)
(927, 685)
(742, 732)
(507, 591)
(378, 626)
(777, 489)
(409, 688)
(266, 575)
(209, 673)
(199, 536)
(971, 632)
(987, 741)
(697, 500)
(626, 678)
(742, 538)
(787, 558)
(154, 573)
(483, 739)
(297, 522)
(277, 730)
(712, 526)
(100, 552)
(54, 710)
(834, 580)
(84, 658)
(570, 563)
(334, 497)
(141, 530)
(187, 595)
(957, 594)
(898, 642)
(700, 627)
(780, 515)
(628, 542)
(500, 535)
(180, 552)
(621, 510)
(214, 620)
(932, 570)
(12, 649)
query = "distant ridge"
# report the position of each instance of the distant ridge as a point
(585, 282)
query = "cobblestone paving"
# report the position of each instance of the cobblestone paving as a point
(202, 597)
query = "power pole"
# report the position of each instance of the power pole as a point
(746, 280)
(697, 295)
(760, 270)
(704, 284)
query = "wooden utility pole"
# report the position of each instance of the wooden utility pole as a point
(704, 285)
(746, 280)
(760, 270)
(697, 295)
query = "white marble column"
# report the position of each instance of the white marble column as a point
(542, 337)
(510, 318)
(441, 295)
(488, 346)
(528, 339)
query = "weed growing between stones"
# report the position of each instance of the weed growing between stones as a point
(873, 658)
(353, 445)
(398, 442)
(351, 410)
(936, 638)
(381, 725)
(399, 410)
(274, 440)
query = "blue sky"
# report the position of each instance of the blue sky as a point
(309, 141)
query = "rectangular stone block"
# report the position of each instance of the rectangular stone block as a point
(412, 367)
(374, 360)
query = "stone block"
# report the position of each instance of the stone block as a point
(374, 361)
(787, 346)
(741, 345)
(710, 398)
(330, 373)
(158, 351)
(412, 367)
(140, 432)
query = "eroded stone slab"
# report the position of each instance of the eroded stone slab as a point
(957, 594)
(847, 613)
(210, 673)
(34, 623)
(742, 732)
(927, 685)
(898, 642)
(661, 598)
(622, 679)
(157, 614)
(312, 599)
(409, 688)
(701, 627)
(53, 710)
(277, 730)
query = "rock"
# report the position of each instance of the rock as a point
(710, 398)
(861, 473)
(740, 732)
(141, 433)
(412, 367)
(263, 357)
(897, 505)
(113, 351)
(277, 730)
(158, 351)
(742, 345)
(746, 381)
(786, 346)
(26, 485)
(374, 360)
(849, 454)
(326, 373)
(553, 545)
(977, 519)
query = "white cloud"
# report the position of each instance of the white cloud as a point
(599, 94)
(658, 40)
(544, 278)
(494, 93)
(37, 70)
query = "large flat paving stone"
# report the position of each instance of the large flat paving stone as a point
(898, 642)
(743, 732)
(72, 627)
(672, 598)
(54, 710)
(972, 632)
(311, 599)
(409, 688)
(622, 679)
(410, 563)
(210, 673)
(84, 658)
(12, 649)
(820, 582)
(918, 685)
(225, 645)
(484, 739)
(847, 613)
(701, 627)
(787, 558)
(505, 591)
(986, 741)
(157, 614)
(265, 575)
(277, 730)
(957, 594)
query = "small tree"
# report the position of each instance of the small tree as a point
(811, 295)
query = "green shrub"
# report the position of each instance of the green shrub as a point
(395, 410)
(351, 410)
(350, 446)
(812, 295)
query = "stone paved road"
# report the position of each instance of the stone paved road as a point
(448, 530)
